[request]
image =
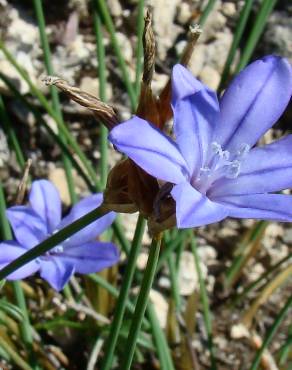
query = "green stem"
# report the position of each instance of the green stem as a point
(209, 7)
(162, 348)
(204, 300)
(103, 9)
(124, 292)
(235, 42)
(265, 10)
(141, 303)
(139, 52)
(102, 94)
(52, 241)
(271, 334)
(174, 281)
(54, 93)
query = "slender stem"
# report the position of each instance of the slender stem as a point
(204, 299)
(18, 292)
(141, 303)
(54, 93)
(115, 293)
(124, 292)
(139, 52)
(271, 333)
(174, 281)
(52, 241)
(236, 39)
(163, 352)
(103, 9)
(265, 10)
(209, 7)
(102, 94)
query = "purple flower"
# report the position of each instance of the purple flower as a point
(215, 169)
(32, 224)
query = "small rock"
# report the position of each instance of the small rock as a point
(58, 178)
(210, 77)
(187, 274)
(214, 24)
(287, 237)
(4, 149)
(158, 82)
(115, 7)
(142, 260)
(239, 331)
(165, 30)
(207, 254)
(160, 305)
(126, 46)
(183, 13)
(228, 9)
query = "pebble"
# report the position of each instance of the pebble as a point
(165, 30)
(229, 9)
(187, 274)
(183, 13)
(210, 77)
(160, 305)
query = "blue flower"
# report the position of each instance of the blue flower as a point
(215, 168)
(31, 224)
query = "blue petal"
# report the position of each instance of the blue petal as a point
(254, 101)
(9, 251)
(195, 120)
(29, 229)
(184, 84)
(274, 207)
(56, 271)
(150, 149)
(92, 231)
(194, 209)
(91, 257)
(45, 201)
(265, 169)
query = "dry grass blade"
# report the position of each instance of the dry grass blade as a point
(103, 112)
(149, 49)
(265, 294)
(23, 183)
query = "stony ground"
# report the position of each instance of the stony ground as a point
(74, 57)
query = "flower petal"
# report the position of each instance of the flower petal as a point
(265, 169)
(56, 271)
(29, 229)
(195, 209)
(45, 201)
(91, 231)
(254, 101)
(194, 123)
(183, 83)
(91, 257)
(275, 207)
(9, 251)
(147, 146)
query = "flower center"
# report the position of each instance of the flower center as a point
(222, 164)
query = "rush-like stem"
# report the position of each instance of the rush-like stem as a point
(123, 296)
(141, 303)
